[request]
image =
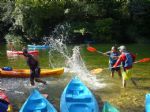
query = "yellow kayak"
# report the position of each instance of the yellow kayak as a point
(25, 73)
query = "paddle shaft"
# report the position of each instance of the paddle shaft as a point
(92, 49)
(101, 53)
(120, 65)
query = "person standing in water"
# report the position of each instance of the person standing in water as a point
(127, 60)
(34, 68)
(113, 56)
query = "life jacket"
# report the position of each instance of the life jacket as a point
(112, 60)
(129, 61)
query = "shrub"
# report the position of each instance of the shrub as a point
(16, 39)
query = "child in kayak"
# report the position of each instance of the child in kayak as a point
(127, 60)
(34, 68)
(113, 56)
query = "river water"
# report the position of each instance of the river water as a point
(77, 61)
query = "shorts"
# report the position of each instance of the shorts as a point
(127, 74)
(35, 73)
(113, 69)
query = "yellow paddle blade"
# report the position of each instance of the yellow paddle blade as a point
(96, 71)
(10, 108)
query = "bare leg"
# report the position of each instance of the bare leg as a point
(39, 80)
(112, 74)
(119, 73)
(32, 81)
(123, 82)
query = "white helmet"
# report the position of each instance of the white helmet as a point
(113, 48)
(122, 48)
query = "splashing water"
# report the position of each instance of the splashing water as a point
(77, 66)
(73, 63)
(56, 42)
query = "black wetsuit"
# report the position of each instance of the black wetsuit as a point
(34, 66)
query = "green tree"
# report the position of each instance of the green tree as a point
(6, 19)
(34, 16)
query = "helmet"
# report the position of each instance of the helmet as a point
(113, 48)
(122, 48)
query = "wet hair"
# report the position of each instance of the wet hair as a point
(25, 51)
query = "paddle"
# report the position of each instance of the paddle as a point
(143, 60)
(92, 49)
(98, 70)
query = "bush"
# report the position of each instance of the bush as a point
(16, 39)
(103, 29)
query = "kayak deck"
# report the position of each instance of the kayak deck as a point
(37, 103)
(76, 97)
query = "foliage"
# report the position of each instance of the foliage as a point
(16, 39)
(103, 29)
(6, 20)
(107, 20)
(36, 16)
(140, 14)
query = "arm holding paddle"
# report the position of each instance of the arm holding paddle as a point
(123, 58)
(99, 70)
(113, 55)
(92, 49)
(127, 60)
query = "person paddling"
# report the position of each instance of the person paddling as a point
(113, 56)
(127, 60)
(34, 68)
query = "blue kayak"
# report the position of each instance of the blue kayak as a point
(76, 97)
(38, 46)
(109, 108)
(37, 103)
(147, 103)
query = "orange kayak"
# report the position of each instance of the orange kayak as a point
(25, 73)
(5, 105)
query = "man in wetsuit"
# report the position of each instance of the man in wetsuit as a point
(34, 68)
